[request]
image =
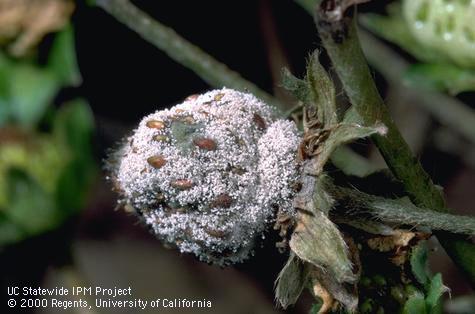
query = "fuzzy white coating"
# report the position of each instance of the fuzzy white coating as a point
(252, 166)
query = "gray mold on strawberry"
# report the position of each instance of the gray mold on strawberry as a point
(207, 174)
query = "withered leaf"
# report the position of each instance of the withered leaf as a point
(318, 241)
(291, 281)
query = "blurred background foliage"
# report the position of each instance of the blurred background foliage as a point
(73, 81)
(46, 162)
(439, 33)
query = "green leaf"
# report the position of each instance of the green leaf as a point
(433, 286)
(29, 206)
(71, 190)
(5, 74)
(419, 264)
(291, 281)
(73, 127)
(443, 77)
(315, 309)
(31, 91)
(4, 111)
(415, 305)
(435, 291)
(9, 232)
(26, 90)
(54, 178)
(62, 58)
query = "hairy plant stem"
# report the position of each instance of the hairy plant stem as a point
(179, 49)
(447, 110)
(339, 36)
(399, 211)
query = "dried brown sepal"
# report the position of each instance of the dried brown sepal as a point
(397, 245)
(354, 254)
(301, 152)
(329, 304)
(400, 239)
(283, 223)
(333, 293)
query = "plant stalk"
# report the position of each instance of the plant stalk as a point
(449, 111)
(339, 36)
(398, 211)
(179, 49)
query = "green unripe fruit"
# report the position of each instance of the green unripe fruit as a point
(444, 26)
